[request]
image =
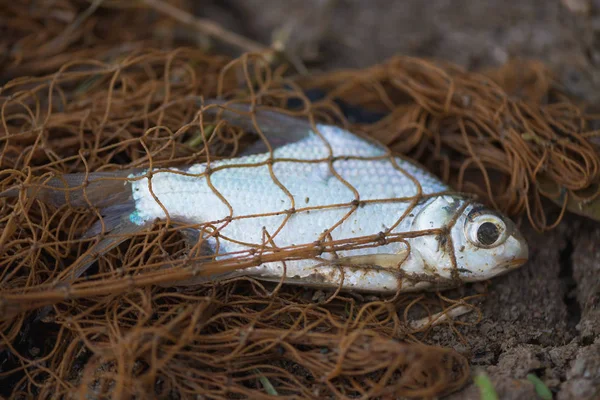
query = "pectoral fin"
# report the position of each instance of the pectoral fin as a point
(201, 247)
(393, 261)
(374, 273)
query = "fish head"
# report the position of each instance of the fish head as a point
(483, 243)
(486, 244)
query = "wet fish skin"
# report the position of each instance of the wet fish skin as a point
(307, 191)
(226, 193)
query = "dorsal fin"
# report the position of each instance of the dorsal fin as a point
(278, 128)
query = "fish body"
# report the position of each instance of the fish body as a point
(327, 186)
(246, 197)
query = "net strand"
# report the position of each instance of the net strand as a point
(118, 332)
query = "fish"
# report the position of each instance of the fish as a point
(308, 185)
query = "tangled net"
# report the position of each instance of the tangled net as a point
(115, 334)
(93, 117)
(38, 37)
(498, 135)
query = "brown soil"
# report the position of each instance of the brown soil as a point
(545, 318)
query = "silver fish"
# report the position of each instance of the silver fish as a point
(316, 188)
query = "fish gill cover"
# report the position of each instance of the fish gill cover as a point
(78, 97)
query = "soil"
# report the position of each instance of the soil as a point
(545, 318)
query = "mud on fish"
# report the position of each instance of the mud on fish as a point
(307, 187)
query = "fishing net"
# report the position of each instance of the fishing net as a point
(509, 135)
(125, 329)
(145, 111)
(38, 37)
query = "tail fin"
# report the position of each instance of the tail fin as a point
(109, 191)
(96, 189)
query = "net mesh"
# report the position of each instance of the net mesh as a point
(115, 333)
(144, 112)
(497, 134)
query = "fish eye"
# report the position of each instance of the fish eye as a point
(486, 231)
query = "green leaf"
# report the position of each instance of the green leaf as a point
(198, 139)
(486, 387)
(540, 387)
(264, 381)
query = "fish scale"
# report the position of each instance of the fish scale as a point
(251, 190)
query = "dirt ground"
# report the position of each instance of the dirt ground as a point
(544, 318)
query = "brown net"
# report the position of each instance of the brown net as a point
(115, 334)
(144, 111)
(498, 135)
(221, 344)
(38, 37)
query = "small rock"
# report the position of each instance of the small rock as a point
(584, 376)
(318, 296)
(520, 361)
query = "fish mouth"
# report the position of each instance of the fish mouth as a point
(520, 257)
(505, 267)
(517, 262)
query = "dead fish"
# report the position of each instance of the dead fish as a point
(312, 188)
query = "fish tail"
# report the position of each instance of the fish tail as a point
(110, 192)
(96, 189)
